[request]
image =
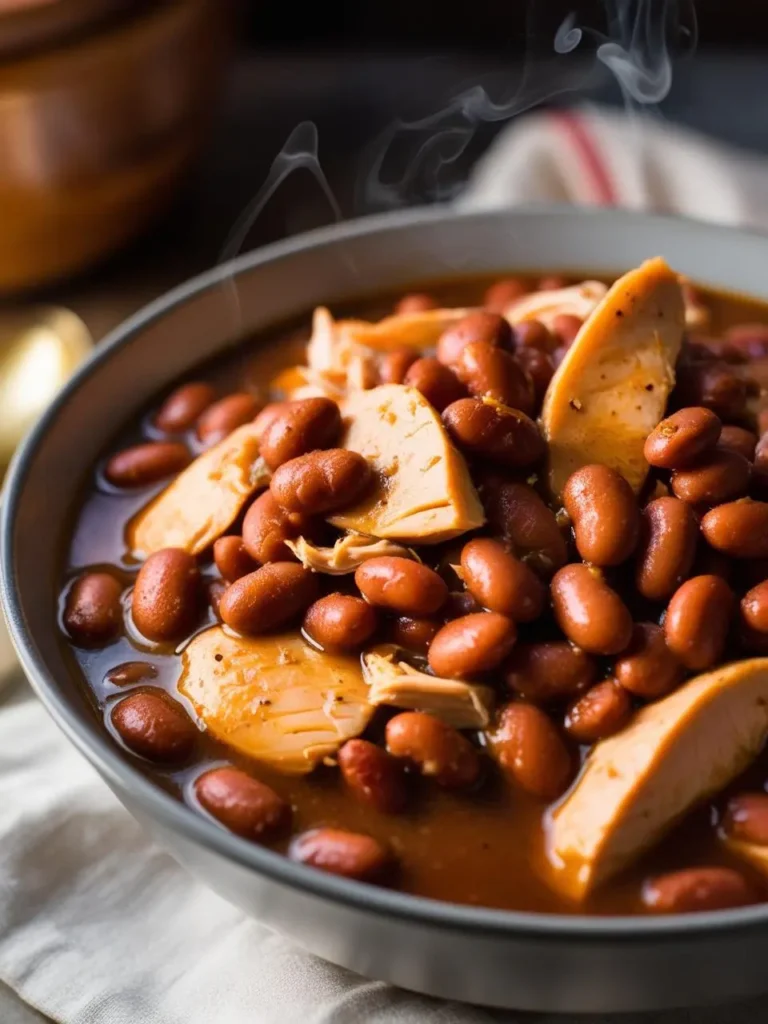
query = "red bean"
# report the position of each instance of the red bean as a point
(470, 645)
(540, 368)
(242, 804)
(697, 620)
(532, 334)
(145, 464)
(165, 599)
(601, 712)
(589, 613)
(751, 339)
(182, 407)
(153, 726)
(738, 529)
(529, 749)
(414, 634)
(739, 440)
(723, 475)
(648, 668)
(500, 582)
(373, 776)
(746, 818)
(667, 548)
(683, 438)
(549, 670)
(340, 622)
(226, 415)
(697, 889)
(268, 598)
(604, 513)
(488, 371)
(401, 585)
(93, 613)
(266, 528)
(715, 386)
(231, 558)
(503, 293)
(394, 365)
(130, 673)
(348, 854)
(503, 435)
(479, 326)
(437, 383)
(439, 750)
(321, 482)
(517, 512)
(754, 608)
(566, 326)
(299, 427)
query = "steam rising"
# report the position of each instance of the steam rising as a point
(300, 152)
(418, 160)
(635, 48)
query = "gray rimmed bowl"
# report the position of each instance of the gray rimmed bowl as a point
(498, 958)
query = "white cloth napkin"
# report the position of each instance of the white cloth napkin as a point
(99, 926)
(594, 157)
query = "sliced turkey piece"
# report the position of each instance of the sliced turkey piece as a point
(414, 330)
(275, 698)
(347, 349)
(204, 499)
(392, 681)
(611, 389)
(577, 300)
(423, 493)
(636, 785)
(346, 554)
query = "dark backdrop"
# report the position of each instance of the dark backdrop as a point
(491, 25)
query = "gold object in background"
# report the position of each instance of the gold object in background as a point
(39, 350)
(95, 135)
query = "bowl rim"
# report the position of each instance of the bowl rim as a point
(158, 804)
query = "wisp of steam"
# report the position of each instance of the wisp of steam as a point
(635, 46)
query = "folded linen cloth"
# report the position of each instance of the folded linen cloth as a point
(99, 926)
(594, 157)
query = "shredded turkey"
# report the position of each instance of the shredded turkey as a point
(391, 681)
(578, 300)
(346, 554)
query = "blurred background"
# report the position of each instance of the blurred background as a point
(133, 134)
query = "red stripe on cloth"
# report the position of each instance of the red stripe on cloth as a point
(581, 140)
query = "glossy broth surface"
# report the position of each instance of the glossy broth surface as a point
(483, 848)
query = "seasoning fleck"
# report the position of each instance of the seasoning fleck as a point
(575, 404)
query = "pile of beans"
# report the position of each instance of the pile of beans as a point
(576, 616)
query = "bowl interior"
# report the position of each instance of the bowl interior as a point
(214, 312)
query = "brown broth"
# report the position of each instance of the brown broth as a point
(485, 848)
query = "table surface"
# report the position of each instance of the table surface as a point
(351, 100)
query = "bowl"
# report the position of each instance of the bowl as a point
(96, 134)
(498, 958)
